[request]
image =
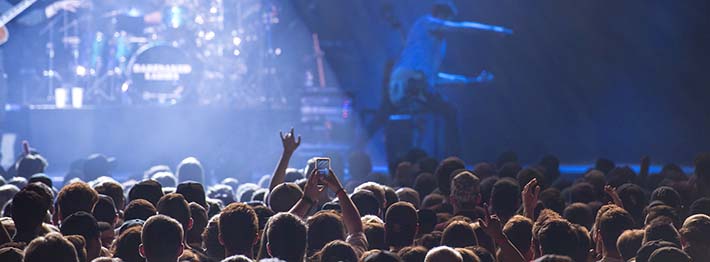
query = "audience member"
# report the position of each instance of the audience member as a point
(161, 239)
(52, 247)
(238, 230)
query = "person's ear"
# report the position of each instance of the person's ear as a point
(141, 250)
(268, 249)
(221, 240)
(256, 239)
(189, 224)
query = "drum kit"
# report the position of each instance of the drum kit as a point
(172, 52)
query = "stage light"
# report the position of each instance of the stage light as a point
(236, 41)
(237, 52)
(278, 51)
(124, 87)
(209, 35)
(80, 71)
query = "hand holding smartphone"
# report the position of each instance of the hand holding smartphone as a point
(322, 168)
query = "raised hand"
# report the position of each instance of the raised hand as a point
(531, 191)
(26, 147)
(331, 181)
(492, 227)
(611, 191)
(311, 190)
(289, 141)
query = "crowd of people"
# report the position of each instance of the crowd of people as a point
(426, 210)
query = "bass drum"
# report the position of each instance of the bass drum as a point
(162, 74)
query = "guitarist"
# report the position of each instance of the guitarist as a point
(416, 73)
(21, 47)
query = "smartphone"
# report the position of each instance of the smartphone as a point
(323, 166)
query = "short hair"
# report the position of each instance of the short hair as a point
(579, 213)
(238, 226)
(29, 209)
(161, 237)
(286, 237)
(193, 192)
(263, 213)
(139, 209)
(175, 206)
(612, 223)
(648, 248)
(165, 178)
(190, 169)
(430, 240)
(505, 197)
(377, 190)
(199, 222)
(695, 229)
(661, 228)
(147, 189)
(443, 253)
(30, 164)
(629, 243)
(77, 196)
(210, 239)
(459, 234)
(105, 210)
(656, 211)
(126, 245)
(380, 256)
(551, 235)
(51, 247)
(43, 190)
(390, 196)
(700, 206)
(79, 244)
(337, 251)
(114, 190)
(468, 255)
(375, 234)
(465, 188)
(483, 254)
(366, 202)
(667, 195)
(400, 224)
(424, 184)
(444, 170)
(635, 200)
(519, 232)
(412, 253)
(11, 254)
(527, 174)
(669, 254)
(284, 196)
(81, 223)
(323, 227)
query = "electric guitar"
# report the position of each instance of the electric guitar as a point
(10, 14)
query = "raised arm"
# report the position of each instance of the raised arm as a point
(494, 229)
(449, 79)
(530, 197)
(351, 216)
(465, 26)
(310, 195)
(290, 144)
